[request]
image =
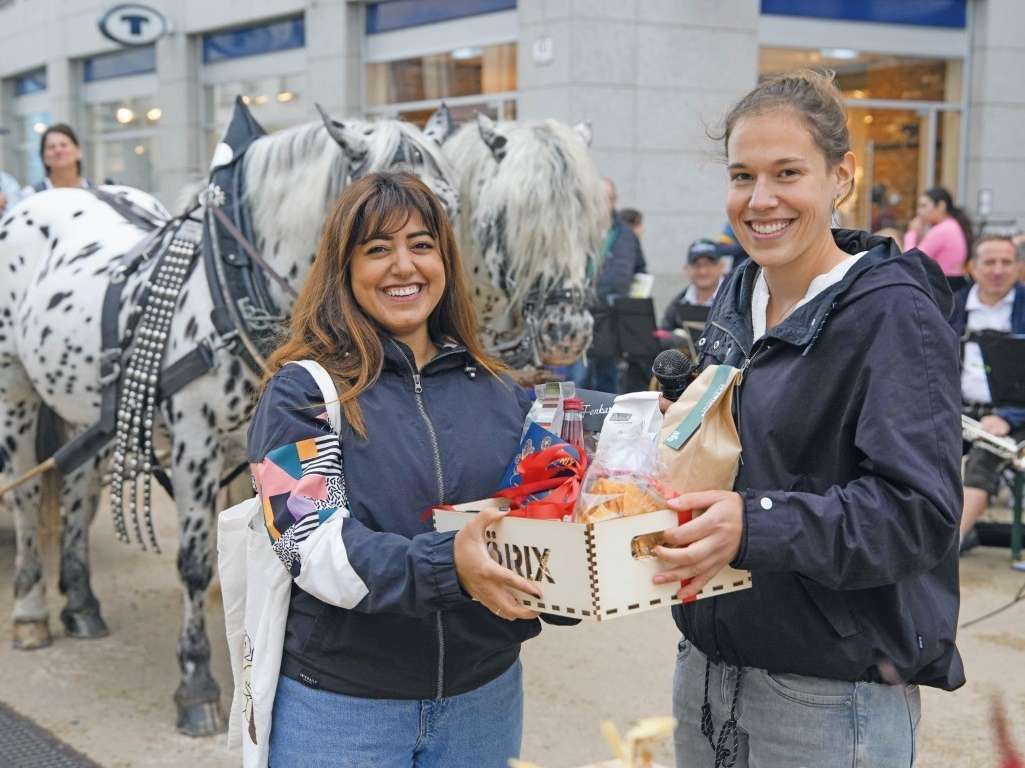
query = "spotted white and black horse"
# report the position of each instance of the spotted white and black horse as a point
(533, 217)
(57, 251)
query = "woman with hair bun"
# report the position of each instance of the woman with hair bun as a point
(847, 500)
(941, 230)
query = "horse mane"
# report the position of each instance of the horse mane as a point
(542, 208)
(291, 177)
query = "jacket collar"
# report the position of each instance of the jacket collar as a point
(733, 312)
(399, 358)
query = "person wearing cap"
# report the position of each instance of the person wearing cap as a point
(705, 272)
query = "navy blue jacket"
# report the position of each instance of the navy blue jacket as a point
(959, 319)
(441, 435)
(849, 418)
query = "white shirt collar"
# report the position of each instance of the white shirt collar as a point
(975, 303)
(760, 295)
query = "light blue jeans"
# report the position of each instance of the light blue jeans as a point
(792, 721)
(313, 728)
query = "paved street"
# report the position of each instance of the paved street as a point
(111, 699)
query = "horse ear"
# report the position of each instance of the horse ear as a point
(440, 126)
(584, 131)
(352, 141)
(490, 135)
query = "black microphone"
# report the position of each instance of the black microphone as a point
(674, 372)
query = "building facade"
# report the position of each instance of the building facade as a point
(934, 90)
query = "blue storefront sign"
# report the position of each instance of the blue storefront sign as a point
(927, 13)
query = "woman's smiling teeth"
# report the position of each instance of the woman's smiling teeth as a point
(402, 291)
(769, 227)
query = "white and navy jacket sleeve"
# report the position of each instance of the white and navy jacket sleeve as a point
(296, 461)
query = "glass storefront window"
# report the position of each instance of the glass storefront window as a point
(276, 103)
(463, 72)
(123, 161)
(30, 127)
(123, 115)
(120, 138)
(871, 75)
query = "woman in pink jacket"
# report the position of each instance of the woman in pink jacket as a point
(941, 230)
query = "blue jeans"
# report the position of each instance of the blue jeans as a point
(792, 721)
(319, 729)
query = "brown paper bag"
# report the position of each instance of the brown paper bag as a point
(698, 445)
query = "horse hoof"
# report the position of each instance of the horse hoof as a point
(30, 635)
(85, 625)
(202, 719)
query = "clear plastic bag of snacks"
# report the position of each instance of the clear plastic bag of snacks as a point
(623, 479)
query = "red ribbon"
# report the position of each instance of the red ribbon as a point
(685, 517)
(553, 469)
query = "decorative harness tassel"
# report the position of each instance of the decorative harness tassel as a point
(133, 451)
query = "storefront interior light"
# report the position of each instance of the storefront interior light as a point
(247, 100)
(285, 96)
(858, 94)
(154, 114)
(140, 149)
(868, 119)
(261, 99)
(39, 127)
(839, 53)
(462, 54)
(124, 115)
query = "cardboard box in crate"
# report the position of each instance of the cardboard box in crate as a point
(585, 570)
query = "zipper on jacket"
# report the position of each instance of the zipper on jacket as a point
(418, 392)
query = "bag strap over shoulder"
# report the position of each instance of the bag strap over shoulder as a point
(327, 390)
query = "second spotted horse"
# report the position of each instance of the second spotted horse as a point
(190, 368)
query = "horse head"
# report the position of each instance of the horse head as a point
(391, 145)
(534, 216)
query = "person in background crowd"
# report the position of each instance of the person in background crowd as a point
(705, 271)
(620, 260)
(846, 505)
(11, 192)
(1019, 243)
(996, 302)
(62, 158)
(633, 219)
(419, 666)
(941, 230)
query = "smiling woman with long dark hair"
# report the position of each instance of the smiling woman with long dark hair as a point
(410, 670)
(846, 505)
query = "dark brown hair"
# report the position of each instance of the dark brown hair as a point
(65, 130)
(940, 195)
(631, 216)
(328, 324)
(813, 96)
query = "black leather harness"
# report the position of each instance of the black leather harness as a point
(245, 318)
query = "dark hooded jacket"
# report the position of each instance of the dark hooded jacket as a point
(848, 414)
(441, 435)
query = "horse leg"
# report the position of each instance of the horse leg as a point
(81, 614)
(19, 411)
(196, 472)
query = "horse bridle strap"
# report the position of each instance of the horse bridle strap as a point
(128, 210)
(243, 241)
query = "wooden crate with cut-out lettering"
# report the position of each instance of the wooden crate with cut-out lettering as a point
(585, 570)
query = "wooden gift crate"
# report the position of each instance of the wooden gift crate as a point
(585, 570)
